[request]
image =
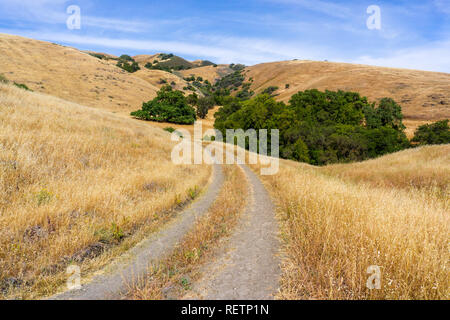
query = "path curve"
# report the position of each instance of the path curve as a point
(119, 276)
(249, 268)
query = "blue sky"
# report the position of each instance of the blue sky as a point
(414, 33)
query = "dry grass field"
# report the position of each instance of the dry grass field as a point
(72, 75)
(78, 185)
(182, 268)
(337, 221)
(155, 78)
(423, 95)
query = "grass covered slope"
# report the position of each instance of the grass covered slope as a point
(339, 221)
(424, 168)
(78, 185)
(423, 95)
(71, 74)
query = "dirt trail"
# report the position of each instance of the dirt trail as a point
(248, 268)
(117, 278)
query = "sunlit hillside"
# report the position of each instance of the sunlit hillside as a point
(423, 95)
(71, 74)
(338, 221)
(78, 184)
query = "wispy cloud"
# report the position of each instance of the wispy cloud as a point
(414, 34)
(324, 7)
(433, 57)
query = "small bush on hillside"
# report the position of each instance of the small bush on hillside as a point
(126, 57)
(192, 99)
(204, 104)
(169, 129)
(169, 106)
(22, 86)
(165, 56)
(98, 56)
(128, 64)
(270, 90)
(436, 133)
(3, 79)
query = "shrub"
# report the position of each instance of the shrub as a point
(22, 86)
(3, 79)
(169, 129)
(128, 64)
(98, 56)
(270, 90)
(203, 106)
(126, 57)
(192, 99)
(169, 106)
(436, 133)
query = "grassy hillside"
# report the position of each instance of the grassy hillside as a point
(426, 169)
(78, 185)
(338, 221)
(159, 78)
(210, 73)
(71, 74)
(423, 95)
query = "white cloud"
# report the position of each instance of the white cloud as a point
(433, 57)
(221, 49)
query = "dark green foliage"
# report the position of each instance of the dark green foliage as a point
(204, 104)
(126, 57)
(237, 67)
(22, 86)
(321, 127)
(245, 93)
(165, 56)
(18, 85)
(287, 86)
(270, 90)
(436, 133)
(205, 63)
(98, 56)
(233, 80)
(169, 106)
(169, 129)
(128, 64)
(192, 99)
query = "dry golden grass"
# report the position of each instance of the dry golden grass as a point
(210, 73)
(172, 277)
(419, 92)
(426, 169)
(154, 77)
(72, 75)
(334, 228)
(73, 181)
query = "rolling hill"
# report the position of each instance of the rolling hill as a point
(71, 74)
(423, 95)
(210, 73)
